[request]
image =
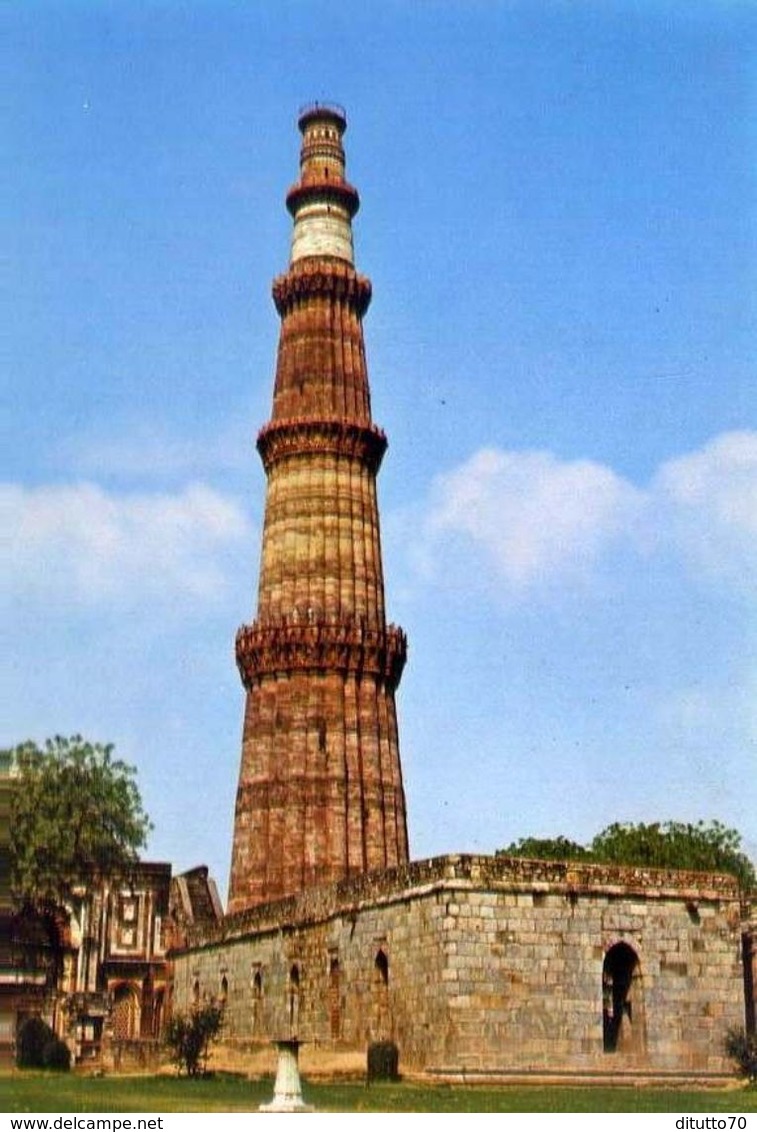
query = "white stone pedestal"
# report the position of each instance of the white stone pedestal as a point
(287, 1092)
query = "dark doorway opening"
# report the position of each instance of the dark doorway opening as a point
(294, 1001)
(335, 1004)
(622, 1003)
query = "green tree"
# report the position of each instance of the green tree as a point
(39, 1047)
(547, 849)
(189, 1037)
(76, 815)
(700, 847)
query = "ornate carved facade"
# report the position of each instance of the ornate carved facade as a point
(97, 968)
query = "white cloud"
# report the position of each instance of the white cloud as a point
(150, 449)
(707, 505)
(529, 520)
(79, 544)
(533, 517)
(524, 521)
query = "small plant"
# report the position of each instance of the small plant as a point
(383, 1061)
(742, 1049)
(189, 1037)
(40, 1048)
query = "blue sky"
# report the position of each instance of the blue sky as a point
(558, 217)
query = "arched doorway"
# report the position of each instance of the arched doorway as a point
(257, 1002)
(335, 1004)
(125, 1014)
(381, 1018)
(622, 1001)
(158, 1011)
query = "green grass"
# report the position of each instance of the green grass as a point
(31, 1092)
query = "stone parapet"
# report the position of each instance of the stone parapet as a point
(468, 873)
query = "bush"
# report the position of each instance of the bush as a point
(188, 1036)
(56, 1055)
(742, 1048)
(39, 1048)
(383, 1061)
(32, 1035)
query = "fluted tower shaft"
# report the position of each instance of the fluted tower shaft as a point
(320, 792)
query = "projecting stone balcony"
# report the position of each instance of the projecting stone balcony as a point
(329, 278)
(297, 437)
(322, 189)
(88, 1004)
(290, 645)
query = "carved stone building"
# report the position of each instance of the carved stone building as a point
(488, 965)
(95, 969)
(27, 970)
(470, 964)
(114, 985)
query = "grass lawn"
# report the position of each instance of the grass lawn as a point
(32, 1092)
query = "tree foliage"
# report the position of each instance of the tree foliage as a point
(701, 847)
(741, 1047)
(547, 849)
(76, 814)
(189, 1037)
(40, 1048)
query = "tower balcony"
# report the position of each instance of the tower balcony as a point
(322, 190)
(321, 278)
(304, 642)
(280, 439)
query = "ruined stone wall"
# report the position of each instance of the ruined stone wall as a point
(481, 964)
(360, 977)
(525, 980)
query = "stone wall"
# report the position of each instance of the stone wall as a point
(480, 964)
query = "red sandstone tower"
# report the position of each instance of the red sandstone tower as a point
(320, 792)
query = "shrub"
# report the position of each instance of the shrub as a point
(383, 1061)
(742, 1049)
(39, 1048)
(32, 1035)
(188, 1036)
(56, 1055)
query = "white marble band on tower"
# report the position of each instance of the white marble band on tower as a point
(322, 230)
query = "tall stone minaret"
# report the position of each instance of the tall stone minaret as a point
(320, 794)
